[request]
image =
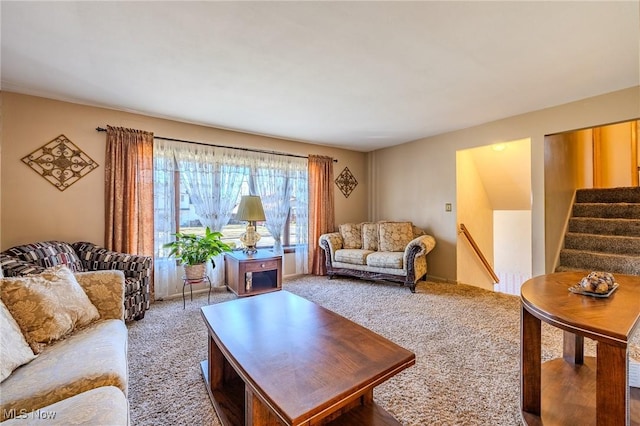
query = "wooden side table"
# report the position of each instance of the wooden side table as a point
(250, 274)
(577, 389)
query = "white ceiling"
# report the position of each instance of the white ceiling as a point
(358, 75)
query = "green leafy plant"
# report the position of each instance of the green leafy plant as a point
(192, 249)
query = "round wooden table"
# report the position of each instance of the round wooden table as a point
(579, 390)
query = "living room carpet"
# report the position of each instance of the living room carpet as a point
(466, 342)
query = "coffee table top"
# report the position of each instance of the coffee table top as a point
(300, 358)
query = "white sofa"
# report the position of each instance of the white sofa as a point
(392, 251)
(80, 378)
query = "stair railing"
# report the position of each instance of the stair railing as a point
(476, 249)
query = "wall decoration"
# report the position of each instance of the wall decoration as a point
(60, 162)
(346, 182)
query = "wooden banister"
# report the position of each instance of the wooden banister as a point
(485, 262)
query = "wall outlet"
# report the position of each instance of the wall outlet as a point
(447, 207)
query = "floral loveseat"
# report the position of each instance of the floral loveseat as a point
(393, 251)
(64, 349)
(81, 257)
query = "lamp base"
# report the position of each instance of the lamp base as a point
(250, 239)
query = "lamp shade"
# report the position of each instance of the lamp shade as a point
(250, 209)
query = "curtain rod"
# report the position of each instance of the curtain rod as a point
(101, 129)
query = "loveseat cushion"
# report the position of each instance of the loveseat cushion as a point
(105, 405)
(351, 235)
(92, 357)
(394, 236)
(370, 236)
(352, 256)
(385, 259)
(13, 347)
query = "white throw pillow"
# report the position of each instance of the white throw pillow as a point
(14, 349)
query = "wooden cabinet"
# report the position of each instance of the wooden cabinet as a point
(249, 274)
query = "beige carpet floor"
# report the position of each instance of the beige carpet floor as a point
(466, 342)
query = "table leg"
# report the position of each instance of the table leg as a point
(256, 413)
(612, 387)
(573, 348)
(530, 362)
(216, 366)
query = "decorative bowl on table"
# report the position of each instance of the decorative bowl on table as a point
(597, 283)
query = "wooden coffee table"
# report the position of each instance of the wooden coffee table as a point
(278, 358)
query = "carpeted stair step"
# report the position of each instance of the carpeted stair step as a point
(608, 195)
(613, 244)
(607, 210)
(623, 227)
(592, 261)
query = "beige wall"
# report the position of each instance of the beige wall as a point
(31, 209)
(413, 181)
(477, 216)
(617, 166)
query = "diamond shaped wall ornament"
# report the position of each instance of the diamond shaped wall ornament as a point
(346, 182)
(60, 162)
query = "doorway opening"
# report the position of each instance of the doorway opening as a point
(494, 203)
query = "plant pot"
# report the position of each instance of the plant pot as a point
(195, 272)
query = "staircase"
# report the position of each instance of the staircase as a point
(603, 232)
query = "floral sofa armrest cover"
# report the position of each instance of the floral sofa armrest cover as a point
(334, 241)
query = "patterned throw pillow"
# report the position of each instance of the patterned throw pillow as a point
(394, 236)
(351, 235)
(370, 236)
(47, 306)
(14, 350)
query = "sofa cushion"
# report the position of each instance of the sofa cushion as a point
(105, 405)
(13, 347)
(47, 306)
(370, 236)
(105, 290)
(394, 236)
(352, 256)
(351, 235)
(386, 259)
(92, 357)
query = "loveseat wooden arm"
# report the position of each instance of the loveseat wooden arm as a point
(415, 259)
(330, 243)
(419, 246)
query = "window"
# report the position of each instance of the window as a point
(198, 185)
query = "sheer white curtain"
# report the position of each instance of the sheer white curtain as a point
(166, 272)
(212, 176)
(273, 186)
(279, 180)
(299, 178)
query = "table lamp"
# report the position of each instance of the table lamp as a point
(251, 210)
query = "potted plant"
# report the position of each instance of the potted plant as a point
(193, 251)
